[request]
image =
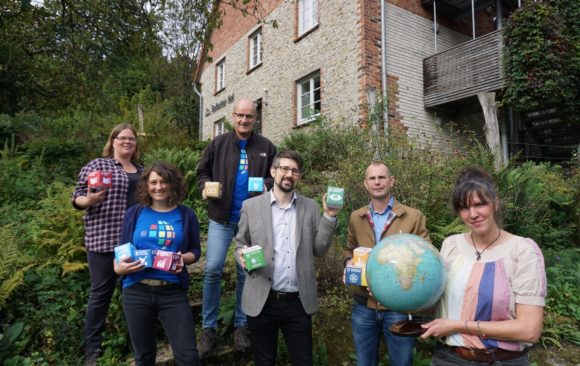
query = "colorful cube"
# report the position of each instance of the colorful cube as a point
(124, 251)
(255, 184)
(335, 197)
(99, 180)
(254, 257)
(166, 261)
(355, 276)
(360, 256)
(145, 256)
(213, 189)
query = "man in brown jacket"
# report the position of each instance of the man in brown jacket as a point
(384, 216)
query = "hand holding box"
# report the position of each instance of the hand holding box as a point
(254, 257)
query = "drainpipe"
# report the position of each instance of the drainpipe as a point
(200, 124)
(504, 124)
(435, 22)
(385, 102)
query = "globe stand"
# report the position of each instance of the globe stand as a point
(408, 327)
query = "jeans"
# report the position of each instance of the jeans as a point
(367, 325)
(143, 305)
(290, 317)
(445, 357)
(103, 282)
(219, 239)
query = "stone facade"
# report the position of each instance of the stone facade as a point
(344, 48)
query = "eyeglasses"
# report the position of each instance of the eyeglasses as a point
(126, 139)
(286, 169)
(241, 115)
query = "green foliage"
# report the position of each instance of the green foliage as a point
(562, 320)
(542, 41)
(539, 202)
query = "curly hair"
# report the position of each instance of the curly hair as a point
(171, 176)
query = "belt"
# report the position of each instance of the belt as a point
(155, 283)
(360, 299)
(283, 296)
(489, 356)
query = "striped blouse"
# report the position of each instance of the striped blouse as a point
(508, 274)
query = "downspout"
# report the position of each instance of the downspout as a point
(504, 123)
(385, 102)
(200, 124)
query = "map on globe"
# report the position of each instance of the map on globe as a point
(406, 273)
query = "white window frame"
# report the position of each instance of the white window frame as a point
(307, 15)
(306, 87)
(220, 78)
(256, 48)
(219, 127)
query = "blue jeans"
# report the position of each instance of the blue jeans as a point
(103, 282)
(219, 239)
(367, 326)
(143, 306)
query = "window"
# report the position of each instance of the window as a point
(219, 127)
(308, 97)
(307, 15)
(220, 80)
(256, 49)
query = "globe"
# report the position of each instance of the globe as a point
(406, 273)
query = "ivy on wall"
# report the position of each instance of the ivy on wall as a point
(541, 55)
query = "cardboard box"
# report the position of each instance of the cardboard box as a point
(360, 256)
(99, 180)
(254, 257)
(145, 256)
(355, 276)
(256, 184)
(213, 189)
(166, 261)
(335, 197)
(124, 251)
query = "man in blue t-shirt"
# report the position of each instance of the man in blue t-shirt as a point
(230, 159)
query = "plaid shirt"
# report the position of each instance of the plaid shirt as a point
(103, 220)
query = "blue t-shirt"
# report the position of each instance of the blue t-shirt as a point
(159, 231)
(241, 187)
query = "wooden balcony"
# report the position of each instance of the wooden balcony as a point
(463, 71)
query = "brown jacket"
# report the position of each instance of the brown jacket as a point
(361, 234)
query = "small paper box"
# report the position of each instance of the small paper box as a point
(256, 184)
(360, 256)
(213, 189)
(334, 197)
(355, 276)
(166, 261)
(254, 257)
(124, 251)
(99, 179)
(145, 256)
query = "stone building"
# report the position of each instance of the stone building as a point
(334, 58)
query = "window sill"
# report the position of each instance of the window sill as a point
(250, 70)
(303, 35)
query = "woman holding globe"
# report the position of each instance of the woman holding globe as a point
(492, 307)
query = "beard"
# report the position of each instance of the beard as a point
(286, 188)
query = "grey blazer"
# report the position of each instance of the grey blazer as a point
(314, 234)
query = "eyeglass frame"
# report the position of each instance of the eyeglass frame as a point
(126, 139)
(285, 169)
(242, 115)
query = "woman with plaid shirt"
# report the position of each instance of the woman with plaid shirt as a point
(104, 211)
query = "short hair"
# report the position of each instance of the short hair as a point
(171, 175)
(108, 151)
(472, 181)
(287, 154)
(377, 163)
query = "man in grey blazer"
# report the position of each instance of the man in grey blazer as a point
(282, 295)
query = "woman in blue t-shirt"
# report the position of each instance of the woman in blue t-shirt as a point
(160, 222)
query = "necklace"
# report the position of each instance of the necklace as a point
(477, 252)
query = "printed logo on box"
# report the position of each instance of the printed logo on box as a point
(124, 251)
(100, 179)
(166, 261)
(255, 184)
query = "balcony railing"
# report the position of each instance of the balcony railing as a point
(463, 71)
